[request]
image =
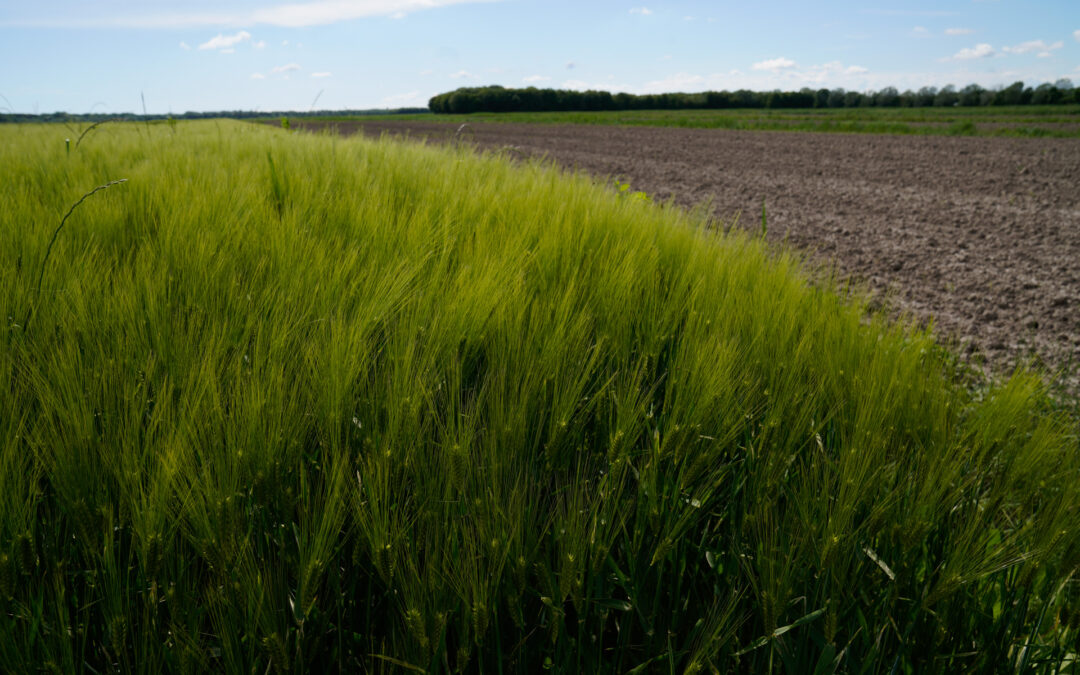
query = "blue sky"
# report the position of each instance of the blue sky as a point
(103, 56)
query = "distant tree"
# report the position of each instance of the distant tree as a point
(947, 96)
(1046, 94)
(1010, 95)
(888, 97)
(925, 96)
(790, 99)
(970, 95)
(495, 98)
(853, 99)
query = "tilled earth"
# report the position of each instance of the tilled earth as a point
(980, 235)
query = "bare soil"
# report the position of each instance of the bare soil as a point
(979, 235)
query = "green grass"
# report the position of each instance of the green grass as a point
(297, 403)
(1058, 121)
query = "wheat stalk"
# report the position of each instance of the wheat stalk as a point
(56, 233)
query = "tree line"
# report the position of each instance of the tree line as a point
(495, 98)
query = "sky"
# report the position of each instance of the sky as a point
(209, 55)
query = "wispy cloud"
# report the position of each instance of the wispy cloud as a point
(644, 11)
(920, 32)
(315, 13)
(907, 12)
(261, 44)
(185, 46)
(221, 41)
(1043, 50)
(794, 76)
(331, 11)
(402, 100)
(677, 82)
(979, 51)
(463, 74)
(1076, 35)
(322, 74)
(533, 79)
(258, 76)
(287, 68)
(774, 64)
(959, 31)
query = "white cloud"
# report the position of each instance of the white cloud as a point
(774, 64)
(261, 44)
(463, 74)
(644, 11)
(958, 31)
(533, 79)
(258, 76)
(287, 68)
(322, 74)
(920, 31)
(1034, 46)
(185, 46)
(855, 70)
(292, 15)
(398, 15)
(427, 71)
(221, 41)
(979, 51)
(1076, 35)
(230, 50)
(688, 18)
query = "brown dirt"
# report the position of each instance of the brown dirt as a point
(981, 235)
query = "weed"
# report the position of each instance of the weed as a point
(623, 190)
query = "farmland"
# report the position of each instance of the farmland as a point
(1057, 121)
(289, 402)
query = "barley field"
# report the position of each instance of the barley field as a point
(286, 402)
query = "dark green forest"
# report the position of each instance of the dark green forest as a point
(495, 98)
